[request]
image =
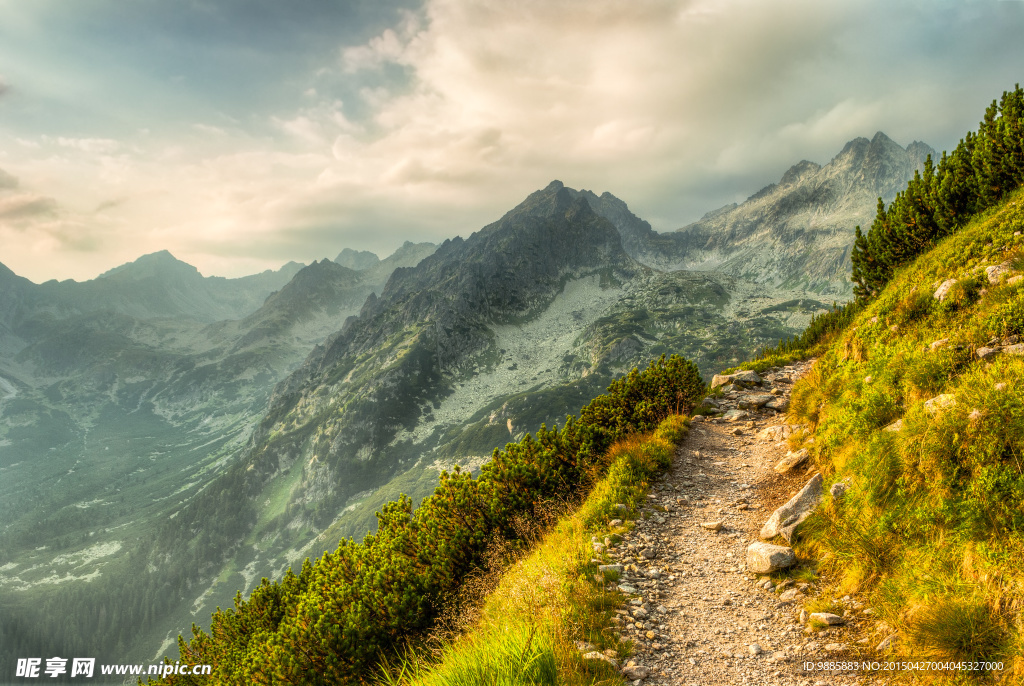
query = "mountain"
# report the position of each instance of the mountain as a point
(201, 440)
(357, 259)
(797, 233)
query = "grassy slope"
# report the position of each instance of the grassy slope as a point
(932, 528)
(551, 598)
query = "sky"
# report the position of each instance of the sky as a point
(241, 134)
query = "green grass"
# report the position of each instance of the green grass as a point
(523, 628)
(932, 528)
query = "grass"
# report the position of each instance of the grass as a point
(524, 629)
(932, 527)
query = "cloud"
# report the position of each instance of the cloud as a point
(439, 123)
(17, 208)
(7, 181)
(90, 145)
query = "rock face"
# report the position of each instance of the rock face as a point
(764, 558)
(785, 519)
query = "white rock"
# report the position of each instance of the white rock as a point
(785, 519)
(826, 618)
(763, 558)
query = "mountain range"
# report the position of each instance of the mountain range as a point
(168, 438)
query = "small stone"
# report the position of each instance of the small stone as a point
(895, 426)
(943, 289)
(1000, 386)
(826, 618)
(985, 353)
(627, 589)
(735, 415)
(615, 522)
(838, 490)
(764, 558)
(791, 460)
(804, 616)
(648, 553)
(868, 379)
(615, 568)
(594, 655)
(636, 672)
(1017, 349)
(712, 526)
(737, 431)
(939, 343)
(755, 649)
(940, 402)
(639, 613)
(995, 271)
(836, 647)
(651, 635)
(975, 416)
(886, 643)
(791, 595)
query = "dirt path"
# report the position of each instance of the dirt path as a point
(698, 616)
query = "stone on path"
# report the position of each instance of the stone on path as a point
(636, 672)
(735, 415)
(743, 378)
(785, 519)
(763, 558)
(712, 526)
(826, 618)
(791, 460)
(754, 401)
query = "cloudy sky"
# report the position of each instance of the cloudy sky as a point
(240, 134)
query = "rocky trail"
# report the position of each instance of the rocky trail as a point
(702, 609)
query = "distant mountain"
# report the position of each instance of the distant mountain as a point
(357, 259)
(797, 233)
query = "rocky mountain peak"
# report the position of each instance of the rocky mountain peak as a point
(158, 264)
(357, 259)
(798, 172)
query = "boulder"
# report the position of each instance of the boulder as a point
(764, 558)
(791, 460)
(746, 377)
(785, 519)
(755, 400)
(1017, 349)
(778, 404)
